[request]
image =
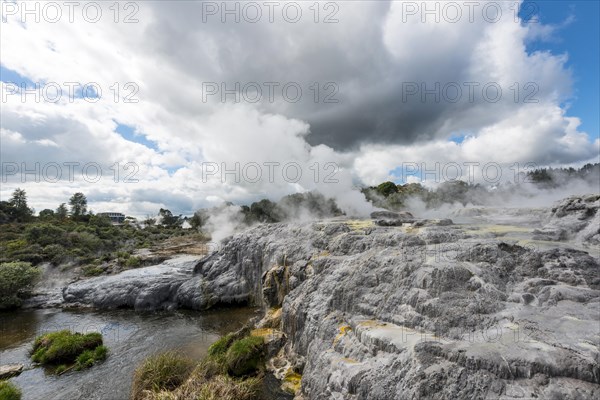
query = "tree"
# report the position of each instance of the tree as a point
(5, 212)
(387, 188)
(19, 209)
(168, 219)
(46, 214)
(149, 221)
(61, 211)
(78, 204)
(263, 211)
(16, 279)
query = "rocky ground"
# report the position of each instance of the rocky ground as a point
(396, 307)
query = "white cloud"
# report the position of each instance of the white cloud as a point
(369, 53)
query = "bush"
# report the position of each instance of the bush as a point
(16, 279)
(30, 254)
(165, 371)
(86, 241)
(65, 347)
(55, 253)
(91, 270)
(16, 245)
(44, 234)
(245, 356)
(8, 391)
(133, 262)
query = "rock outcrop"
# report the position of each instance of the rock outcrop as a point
(373, 312)
(148, 288)
(574, 218)
(391, 218)
(424, 310)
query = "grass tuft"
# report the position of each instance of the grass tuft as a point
(63, 347)
(245, 356)
(160, 372)
(9, 391)
(230, 371)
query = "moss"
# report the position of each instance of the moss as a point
(161, 372)
(245, 356)
(8, 391)
(89, 357)
(220, 346)
(64, 347)
(100, 353)
(60, 369)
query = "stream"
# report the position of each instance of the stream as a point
(130, 337)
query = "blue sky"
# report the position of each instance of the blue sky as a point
(580, 40)
(129, 133)
(8, 75)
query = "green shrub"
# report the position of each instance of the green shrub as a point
(245, 356)
(91, 270)
(16, 279)
(55, 253)
(63, 346)
(8, 391)
(16, 245)
(31, 256)
(44, 234)
(133, 262)
(86, 241)
(164, 371)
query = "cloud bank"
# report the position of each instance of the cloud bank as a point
(381, 84)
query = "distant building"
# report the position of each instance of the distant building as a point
(115, 218)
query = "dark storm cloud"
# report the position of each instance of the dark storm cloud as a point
(363, 55)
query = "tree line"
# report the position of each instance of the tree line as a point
(17, 210)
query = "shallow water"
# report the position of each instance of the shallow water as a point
(130, 337)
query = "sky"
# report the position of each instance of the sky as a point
(187, 104)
